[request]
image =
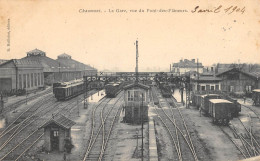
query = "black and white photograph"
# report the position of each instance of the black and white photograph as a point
(129, 80)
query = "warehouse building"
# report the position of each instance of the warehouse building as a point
(18, 74)
(62, 69)
(238, 82)
(77, 66)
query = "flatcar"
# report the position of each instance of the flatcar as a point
(256, 97)
(220, 111)
(204, 101)
(67, 90)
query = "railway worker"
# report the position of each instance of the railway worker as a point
(200, 111)
(64, 156)
(244, 99)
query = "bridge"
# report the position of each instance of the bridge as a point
(142, 76)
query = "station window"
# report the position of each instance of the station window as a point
(217, 87)
(39, 79)
(130, 95)
(35, 79)
(55, 133)
(31, 79)
(135, 95)
(203, 88)
(248, 88)
(212, 88)
(20, 81)
(28, 80)
(232, 88)
(24, 80)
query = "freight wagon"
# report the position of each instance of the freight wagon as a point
(220, 111)
(204, 101)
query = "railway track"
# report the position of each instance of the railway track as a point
(241, 136)
(22, 101)
(10, 148)
(101, 128)
(182, 146)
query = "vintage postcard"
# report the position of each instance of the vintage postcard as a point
(129, 80)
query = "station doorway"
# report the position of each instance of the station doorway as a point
(54, 140)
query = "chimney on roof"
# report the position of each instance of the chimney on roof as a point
(193, 60)
(185, 60)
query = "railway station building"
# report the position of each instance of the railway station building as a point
(136, 99)
(205, 84)
(238, 82)
(21, 74)
(57, 134)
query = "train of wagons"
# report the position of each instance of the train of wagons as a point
(221, 108)
(66, 90)
(112, 89)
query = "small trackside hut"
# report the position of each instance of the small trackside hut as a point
(57, 134)
(135, 105)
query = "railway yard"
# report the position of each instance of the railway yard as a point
(102, 133)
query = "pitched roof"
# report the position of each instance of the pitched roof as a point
(253, 74)
(35, 51)
(136, 84)
(20, 63)
(3, 61)
(60, 120)
(74, 64)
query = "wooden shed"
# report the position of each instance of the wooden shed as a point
(56, 131)
(136, 98)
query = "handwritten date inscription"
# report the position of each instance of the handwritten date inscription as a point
(229, 10)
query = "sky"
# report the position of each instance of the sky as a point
(106, 39)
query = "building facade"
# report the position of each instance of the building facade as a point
(185, 66)
(206, 84)
(238, 82)
(18, 74)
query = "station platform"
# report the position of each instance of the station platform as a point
(153, 155)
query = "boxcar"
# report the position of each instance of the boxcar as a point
(204, 101)
(237, 106)
(196, 100)
(256, 97)
(220, 111)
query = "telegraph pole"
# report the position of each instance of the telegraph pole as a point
(136, 68)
